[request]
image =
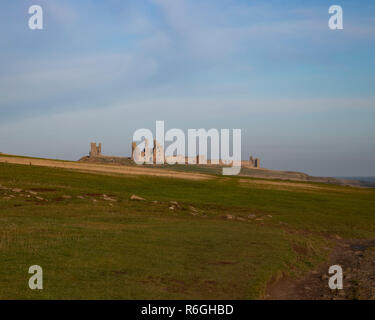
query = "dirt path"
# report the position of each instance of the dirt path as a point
(357, 259)
(126, 170)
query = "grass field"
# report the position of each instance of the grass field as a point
(227, 237)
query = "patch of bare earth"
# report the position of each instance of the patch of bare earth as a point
(357, 259)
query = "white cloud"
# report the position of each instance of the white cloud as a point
(41, 80)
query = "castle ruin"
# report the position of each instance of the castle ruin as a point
(150, 155)
(255, 163)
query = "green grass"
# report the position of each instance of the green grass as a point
(144, 250)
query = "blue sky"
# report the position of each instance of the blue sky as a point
(303, 95)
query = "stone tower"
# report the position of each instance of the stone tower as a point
(158, 153)
(257, 163)
(96, 151)
(134, 145)
(254, 163)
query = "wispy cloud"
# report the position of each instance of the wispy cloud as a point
(100, 68)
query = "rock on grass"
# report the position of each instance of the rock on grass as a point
(137, 198)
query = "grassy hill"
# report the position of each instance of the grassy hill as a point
(223, 238)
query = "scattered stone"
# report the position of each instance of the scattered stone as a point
(193, 209)
(251, 216)
(240, 219)
(155, 202)
(269, 216)
(81, 197)
(33, 193)
(337, 237)
(66, 197)
(106, 198)
(94, 200)
(134, 197)
(229, 217)
(174, 202)
(40, 198)
(171, 208)
(17, 190)
(259, 219)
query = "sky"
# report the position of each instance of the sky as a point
(302, 94)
